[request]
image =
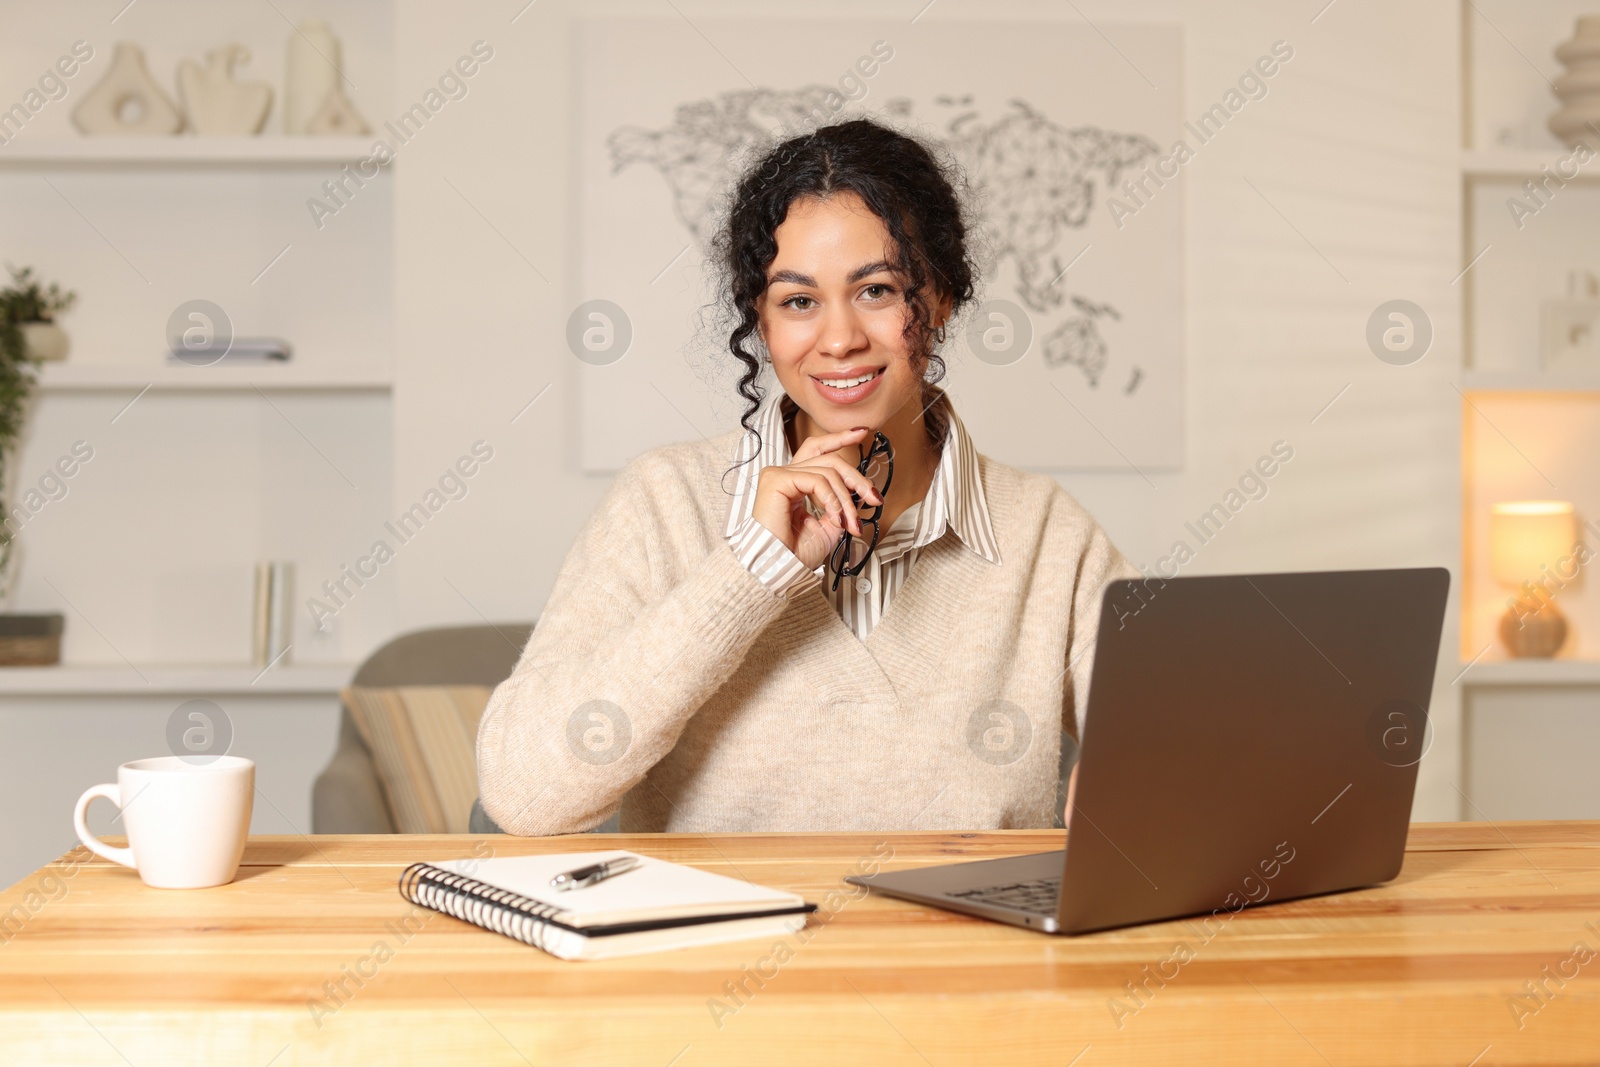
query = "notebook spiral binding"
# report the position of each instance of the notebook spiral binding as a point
(479, 903)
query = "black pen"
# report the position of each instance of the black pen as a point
(595, 872)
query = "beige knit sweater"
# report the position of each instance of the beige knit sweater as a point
(664, 677)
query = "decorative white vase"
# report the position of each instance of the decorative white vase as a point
(337, 117)
(313, 101)
(311, 74)
(1579, 87)
(127, 100)
(214, 102)
(44, 341)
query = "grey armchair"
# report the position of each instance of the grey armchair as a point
(347, 797)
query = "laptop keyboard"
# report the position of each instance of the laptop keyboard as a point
(1038, 897)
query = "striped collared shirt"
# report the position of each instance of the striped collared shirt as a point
(954, 502)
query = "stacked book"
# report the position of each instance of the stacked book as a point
(230, 350)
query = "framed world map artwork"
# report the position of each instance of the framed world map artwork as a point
(1070, 358)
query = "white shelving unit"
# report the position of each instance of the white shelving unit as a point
(1516, 247)
(149, 546)
(1530, 217)
(150, 550)
(200, 472)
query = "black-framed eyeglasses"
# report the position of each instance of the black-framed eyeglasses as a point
(849, 557)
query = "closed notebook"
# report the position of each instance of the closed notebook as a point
(658, 905)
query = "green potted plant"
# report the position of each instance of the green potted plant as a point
(28, 335)
(34, 308)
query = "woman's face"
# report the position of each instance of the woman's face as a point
(833, 316)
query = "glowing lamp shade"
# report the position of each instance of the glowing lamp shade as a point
(1526, 536)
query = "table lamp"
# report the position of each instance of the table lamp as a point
(1526, 539)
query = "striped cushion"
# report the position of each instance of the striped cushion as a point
(422, 740)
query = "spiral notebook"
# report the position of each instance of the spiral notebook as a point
(656, 906)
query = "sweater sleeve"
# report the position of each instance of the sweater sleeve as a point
(1100, 563)
(619, 660)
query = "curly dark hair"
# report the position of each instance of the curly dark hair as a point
(901, 180)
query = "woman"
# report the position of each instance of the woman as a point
(716, 661)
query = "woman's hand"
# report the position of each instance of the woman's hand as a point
(819, 473)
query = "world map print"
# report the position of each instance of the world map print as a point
(1037, 181)
(1071, 355)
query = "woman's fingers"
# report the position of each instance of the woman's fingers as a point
(857, 481)
(830, 481)
(822, 444)
(816, 539)
(794, 484)
(818, 473)
(824, 448)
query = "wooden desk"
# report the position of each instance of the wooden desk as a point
(1425, 970)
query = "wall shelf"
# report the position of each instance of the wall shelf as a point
(1521, 166)
(186, 151)
(175, 680)
(90, 377)
(1533, 672)
(1532, 381)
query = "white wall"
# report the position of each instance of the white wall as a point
(1335, 193)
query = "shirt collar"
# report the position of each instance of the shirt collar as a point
(955, 500)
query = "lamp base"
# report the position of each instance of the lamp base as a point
(1534, 635)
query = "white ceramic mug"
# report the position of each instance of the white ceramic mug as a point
(186, 822)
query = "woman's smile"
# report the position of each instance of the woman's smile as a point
(848, 386)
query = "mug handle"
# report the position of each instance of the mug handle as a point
(123, 856)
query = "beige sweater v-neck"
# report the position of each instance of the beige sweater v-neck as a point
(663, 676)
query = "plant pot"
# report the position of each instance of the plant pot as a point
(30, 640)
(43, 340)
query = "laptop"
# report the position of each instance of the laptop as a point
(1249, 739)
